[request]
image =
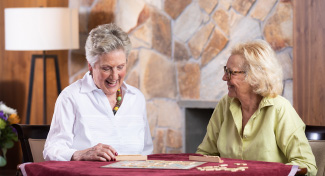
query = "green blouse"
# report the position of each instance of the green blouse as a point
(274, 133)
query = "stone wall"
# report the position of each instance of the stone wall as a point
(180, 48)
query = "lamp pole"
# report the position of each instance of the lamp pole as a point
(44, 89)
(31, 81)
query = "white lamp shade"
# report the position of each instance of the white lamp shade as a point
(41, 28)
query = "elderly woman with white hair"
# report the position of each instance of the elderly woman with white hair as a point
(254, 122)
(100, 116)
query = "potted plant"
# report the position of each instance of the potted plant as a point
(8, 134)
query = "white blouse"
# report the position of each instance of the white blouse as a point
(83, 118)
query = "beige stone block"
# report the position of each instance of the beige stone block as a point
(144, 15)
(279, 27)
(245, 29)
(155, 3)
(221, 17)
(234, 18)
(189, 80)
(199, 40)
(161, 33)
(128, 13)
(212, 86)
(157, 75)
(136, 43)
(101, 13)
(175, 151)
(174, 139)
(286, 64)
(225, 3)
(77, 62)
(169, 114)
(180, 51)
(262, 9)
(159, 141)
(242, 6)
(132, 59)
(205, 18)
(133, 79)
(217, 42)
(208, 5)
(188, 22)
(144, 33)
(288, 89)
(175, 7)
(155, 30)
(152, 116)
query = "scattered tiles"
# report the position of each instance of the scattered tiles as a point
(223, 167)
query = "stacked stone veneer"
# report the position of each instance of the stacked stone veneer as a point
(180, 48)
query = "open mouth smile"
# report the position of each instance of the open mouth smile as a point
(111, 83)
(230, 86)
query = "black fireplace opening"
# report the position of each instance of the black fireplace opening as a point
(196, 121)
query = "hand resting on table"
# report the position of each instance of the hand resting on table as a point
(99, 152)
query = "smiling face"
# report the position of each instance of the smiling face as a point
(237, 86)
(109, 71)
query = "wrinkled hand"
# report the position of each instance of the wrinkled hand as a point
(100, 152)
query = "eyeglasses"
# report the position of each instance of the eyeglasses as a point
(229, 72)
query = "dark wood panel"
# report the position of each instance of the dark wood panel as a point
(14, 76)
(309, 61)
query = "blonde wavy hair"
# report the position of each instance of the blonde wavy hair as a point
(263, 71)
(104, 39)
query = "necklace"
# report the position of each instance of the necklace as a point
(118, 101)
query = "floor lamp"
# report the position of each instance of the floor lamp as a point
(41, 29)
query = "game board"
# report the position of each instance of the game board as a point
(131, 157)
(155, 164)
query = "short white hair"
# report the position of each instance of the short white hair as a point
(104, 39)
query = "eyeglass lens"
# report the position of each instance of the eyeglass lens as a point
(228, 72)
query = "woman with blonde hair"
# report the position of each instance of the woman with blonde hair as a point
(254, 122)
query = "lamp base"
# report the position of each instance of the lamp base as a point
(31, 81)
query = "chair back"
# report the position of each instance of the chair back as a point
(318, 147)
(316, 137)
(32, 139)
(315, 132)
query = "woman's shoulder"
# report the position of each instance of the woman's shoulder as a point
(83, 83)
(280, 101)
(73, 86)
(226, 100)
(283, 106)
(71, 90)
(133, 90)
(286, 113)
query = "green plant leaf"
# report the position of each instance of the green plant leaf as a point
(15, 138)
(8, 144)
(3, 161)
(4, 152)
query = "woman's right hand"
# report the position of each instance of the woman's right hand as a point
(100, 152)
